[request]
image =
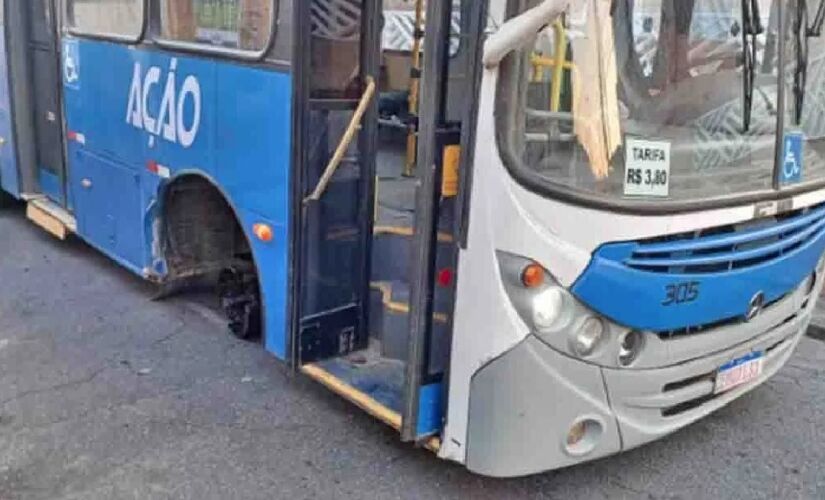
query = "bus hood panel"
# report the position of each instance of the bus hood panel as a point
(706, 281)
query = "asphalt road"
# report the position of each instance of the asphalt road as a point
(106, 394)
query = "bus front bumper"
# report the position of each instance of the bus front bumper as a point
(528, 405)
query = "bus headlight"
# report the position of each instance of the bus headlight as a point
(589, 336)
(561, 321)
(550, 310)
(630, 345)
(547, 307)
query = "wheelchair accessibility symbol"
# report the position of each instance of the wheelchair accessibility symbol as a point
(71, 64)
(791, 170)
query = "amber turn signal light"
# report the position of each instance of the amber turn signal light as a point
(532, 275)
(263, 232)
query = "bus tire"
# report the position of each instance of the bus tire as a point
(240, 300)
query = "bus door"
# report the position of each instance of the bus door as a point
(434, 255)
(42, 29)
(345, 300)
(8, 164)
(334, 153)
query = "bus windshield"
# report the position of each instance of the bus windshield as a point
(660, 100)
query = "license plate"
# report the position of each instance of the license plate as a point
(739, 371)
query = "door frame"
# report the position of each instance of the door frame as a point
(20, 80)
(56, 18)
(13, 182)
(433, 133)
(301, 71)
(20, 95)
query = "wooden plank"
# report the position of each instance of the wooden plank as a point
(47, 221)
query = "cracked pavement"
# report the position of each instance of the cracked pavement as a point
(107, 394)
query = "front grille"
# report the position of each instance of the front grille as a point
(709, 327)
(685, 406)
(731, 247)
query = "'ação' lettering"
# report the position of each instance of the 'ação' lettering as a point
(169, 121)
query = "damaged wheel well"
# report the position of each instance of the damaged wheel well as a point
(204, 244)
(200, 233)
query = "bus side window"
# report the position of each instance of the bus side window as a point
(118, 18)
(398, 40)
(230, 24)
(335, 52)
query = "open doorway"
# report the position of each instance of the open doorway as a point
(358, 250)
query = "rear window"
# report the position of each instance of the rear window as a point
(117, 18)
(224, 24)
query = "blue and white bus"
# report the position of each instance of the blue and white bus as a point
(526, 234)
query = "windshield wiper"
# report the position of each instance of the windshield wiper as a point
(800, 75)
(815, 30)
(803, 31)
(751, 28)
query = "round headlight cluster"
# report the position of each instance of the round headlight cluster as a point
(630, 345)
(589, 336)
(547, 308)
(556, 316)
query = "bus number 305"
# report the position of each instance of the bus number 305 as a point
(681, 293)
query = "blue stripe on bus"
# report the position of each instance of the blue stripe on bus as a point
(241, 144)
(635, 298)
(723, 257)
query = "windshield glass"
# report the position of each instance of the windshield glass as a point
(805, 83)
(649, 99)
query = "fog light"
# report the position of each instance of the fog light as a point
(583, 437)
(547, 307)
(589, 335)
(576, 433)
(630, 346)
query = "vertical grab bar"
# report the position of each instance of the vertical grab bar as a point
(346, 140)
(558, 69)
(415, 87)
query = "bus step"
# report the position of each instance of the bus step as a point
(390, 316)
(351, 384)
(392, 252)
(54, 219)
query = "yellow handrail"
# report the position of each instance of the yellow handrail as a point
(349, 135)
(415, 86)
(549, 62)
(558, 71)
(558, 63)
